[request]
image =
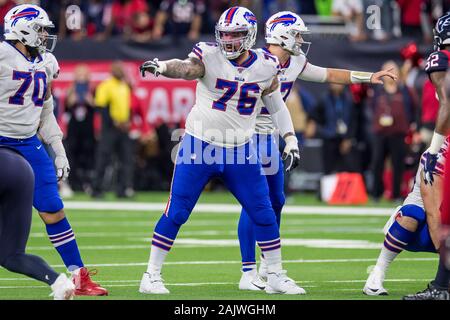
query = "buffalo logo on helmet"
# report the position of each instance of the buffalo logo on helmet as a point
(285, 20)
(250, 17)
(28, 14)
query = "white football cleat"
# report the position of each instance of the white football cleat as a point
(282, 284)
(251, 281)
(63, 288)
(152, 283)
(262, 272)
(374, 284)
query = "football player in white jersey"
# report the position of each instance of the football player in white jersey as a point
(27, 68)
(232, 78)
(284, 38)
(411, 225)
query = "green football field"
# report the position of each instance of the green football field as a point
(328, 250)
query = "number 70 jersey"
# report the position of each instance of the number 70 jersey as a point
(227, 96)
(23, 89)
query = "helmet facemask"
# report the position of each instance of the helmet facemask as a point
(437, 41)
(45, 42)
(295, 44)
(236, 43)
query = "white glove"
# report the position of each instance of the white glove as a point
(61, 162)
(153, 66)
(62, 167)
(291, 153)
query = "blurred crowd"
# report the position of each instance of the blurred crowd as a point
(377, 131)
(149, 20)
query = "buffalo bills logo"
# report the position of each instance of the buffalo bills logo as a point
(250, 17)
(28, 14)
(285, 20)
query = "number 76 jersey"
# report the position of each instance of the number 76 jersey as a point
(23, 89)
(227, 95)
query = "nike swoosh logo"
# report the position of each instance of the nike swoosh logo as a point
(259, 287)
(39, 147)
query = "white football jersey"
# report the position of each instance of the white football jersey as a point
(287, 76)
(23, 89)
(415, 197)
(227, 96)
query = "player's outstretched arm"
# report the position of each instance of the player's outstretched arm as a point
(51, 134)
(432, 199)
(341, 76)
(188, 69)
(282, 119)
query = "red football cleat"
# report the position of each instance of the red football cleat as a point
(85, 286)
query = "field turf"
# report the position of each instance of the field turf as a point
(328, 254)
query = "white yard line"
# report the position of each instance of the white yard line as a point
(195, 243)
(134, 283)
(228, 208)
(182, 263)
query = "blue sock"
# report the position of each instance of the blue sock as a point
(398, 238)
(63, 239)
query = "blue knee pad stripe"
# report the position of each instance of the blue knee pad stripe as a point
(413, 211)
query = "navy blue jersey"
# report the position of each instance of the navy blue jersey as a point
(437, 61)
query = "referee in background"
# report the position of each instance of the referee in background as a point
(112, 98)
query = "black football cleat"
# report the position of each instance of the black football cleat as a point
(430, 293)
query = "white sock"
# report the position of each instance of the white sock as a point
(272, 260)
(157, 257)
(385, 258)
(75, 272)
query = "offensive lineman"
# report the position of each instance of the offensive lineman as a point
(231, 80)
(284, 40)
(26, 110)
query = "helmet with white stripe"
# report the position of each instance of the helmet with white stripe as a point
(285, 29)
(236, 31)
(28, 23)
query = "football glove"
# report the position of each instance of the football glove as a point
(152, 66)
(291, 153)
(429, 168)
(62, 167)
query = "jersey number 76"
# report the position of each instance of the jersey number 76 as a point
(246, 103)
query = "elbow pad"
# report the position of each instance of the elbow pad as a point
(273, 101)
(279, 112)
(49, 129)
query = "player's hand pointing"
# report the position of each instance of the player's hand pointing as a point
(291, 153)
(376, 77)
(152, 66)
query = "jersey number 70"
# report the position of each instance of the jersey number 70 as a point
(27, 78)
